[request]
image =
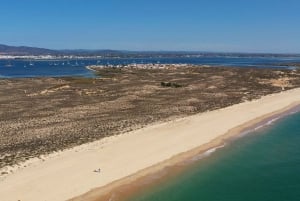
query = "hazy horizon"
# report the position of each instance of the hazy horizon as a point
(158, 51)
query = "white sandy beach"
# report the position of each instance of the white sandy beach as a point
(71, 173)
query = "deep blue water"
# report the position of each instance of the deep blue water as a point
(46, 68)
(26, 68)
(262, 166)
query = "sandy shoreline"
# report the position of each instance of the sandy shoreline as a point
(71, 173)
(124, 188)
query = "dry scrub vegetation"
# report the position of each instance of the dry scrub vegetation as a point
(42, 115)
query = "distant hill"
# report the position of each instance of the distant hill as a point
(23, 50)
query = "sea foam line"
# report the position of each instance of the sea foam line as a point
(207, 153)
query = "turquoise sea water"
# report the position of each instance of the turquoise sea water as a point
(261, 166)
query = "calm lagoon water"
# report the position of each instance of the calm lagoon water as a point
(62, 68)
(261, 166)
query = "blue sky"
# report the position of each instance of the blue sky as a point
(196, 25)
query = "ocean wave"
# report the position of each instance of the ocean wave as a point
(268, 123)
(206, 153)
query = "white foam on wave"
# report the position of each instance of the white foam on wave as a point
(268, 123)
(206, 153)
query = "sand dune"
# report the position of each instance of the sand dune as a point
(72, 172)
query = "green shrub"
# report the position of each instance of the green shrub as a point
(170, 84)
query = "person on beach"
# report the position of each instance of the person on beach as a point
(98, 171)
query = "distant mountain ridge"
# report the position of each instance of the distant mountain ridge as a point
(24, 50)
